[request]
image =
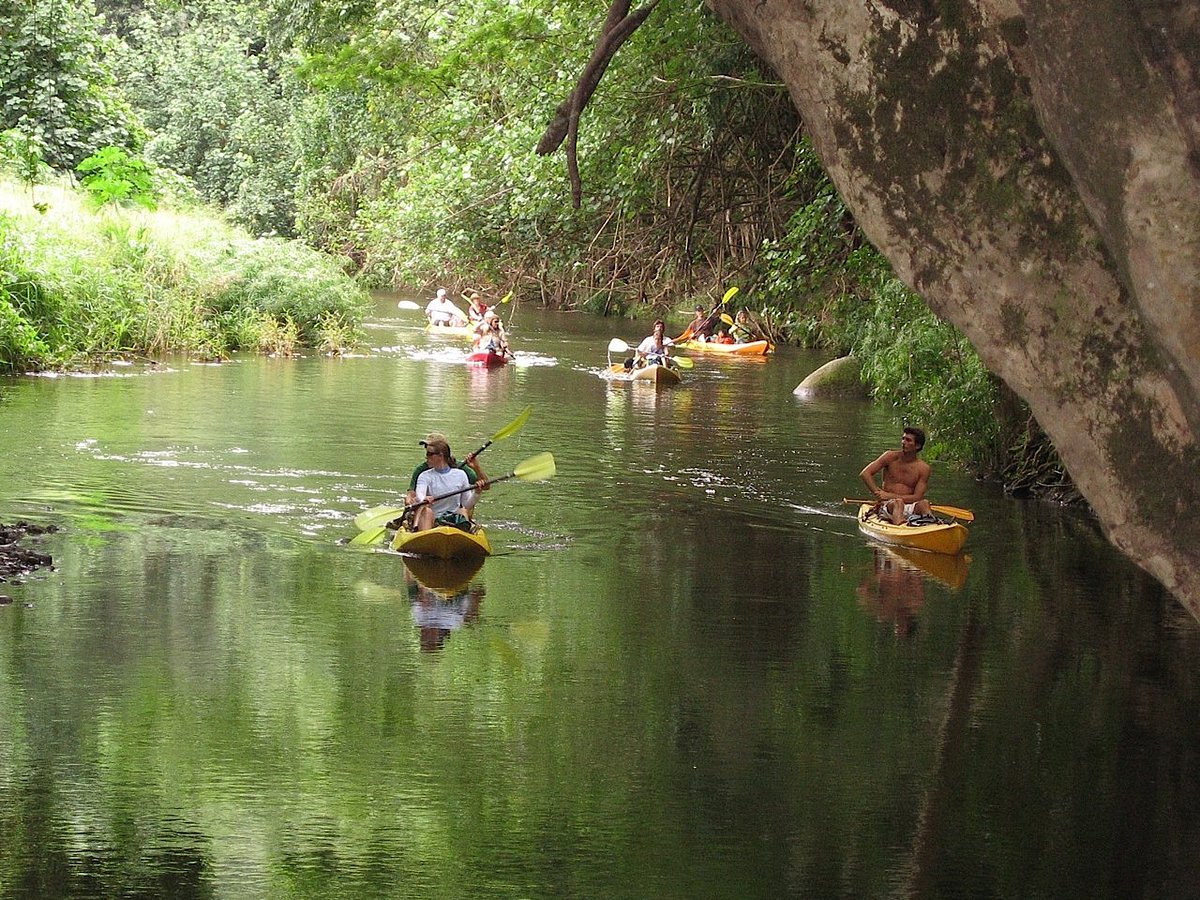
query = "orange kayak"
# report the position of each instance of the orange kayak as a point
(752, 348)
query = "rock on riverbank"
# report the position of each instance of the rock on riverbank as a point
(16, 561)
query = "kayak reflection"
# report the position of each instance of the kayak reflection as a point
(442, 596)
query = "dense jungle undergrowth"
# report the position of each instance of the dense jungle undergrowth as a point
(401, 136)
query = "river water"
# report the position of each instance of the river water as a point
(683, 674)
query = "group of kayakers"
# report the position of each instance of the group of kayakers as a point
(487, 329)
(712, 327)
(704, 327)
(453, 488)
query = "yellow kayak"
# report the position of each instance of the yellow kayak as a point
(660, 376)
(462, 331)
(750, 348)
(444, 542)
(945, 538)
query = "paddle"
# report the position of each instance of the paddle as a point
(408, 304)
(956, 511)
(507, 431)
(536, 468)
(729, 294)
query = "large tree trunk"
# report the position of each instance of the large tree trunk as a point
(1032, 168)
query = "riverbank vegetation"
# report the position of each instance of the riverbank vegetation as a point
(78, 285)
(401, 136)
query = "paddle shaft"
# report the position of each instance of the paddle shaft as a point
(956, 511)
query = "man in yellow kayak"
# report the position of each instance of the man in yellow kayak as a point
(905, 479)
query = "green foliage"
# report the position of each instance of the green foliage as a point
(220, 108)
(79, 284)
(418, 149)
(110, 175)
(22, 155)
(56, 87)
(930, 373)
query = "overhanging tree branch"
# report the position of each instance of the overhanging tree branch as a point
(618, 26)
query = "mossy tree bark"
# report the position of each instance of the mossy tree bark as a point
(1032, 169)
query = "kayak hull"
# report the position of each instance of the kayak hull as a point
(444, 542)
(459, 331)
(487, 359)
(751, 348)
(944, 538)
(659, 376)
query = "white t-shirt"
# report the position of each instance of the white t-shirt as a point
(442, 312)
(650, 346)
(435, 483)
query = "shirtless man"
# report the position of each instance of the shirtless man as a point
(905, 479)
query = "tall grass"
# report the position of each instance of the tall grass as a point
(76, 285)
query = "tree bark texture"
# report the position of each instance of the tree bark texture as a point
(1032, 169)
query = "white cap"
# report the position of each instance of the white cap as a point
(441, 292)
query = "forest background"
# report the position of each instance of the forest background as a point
(289, 146)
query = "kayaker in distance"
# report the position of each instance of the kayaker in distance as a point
(741, 330)
(905, 479)
(441, 478)
(442, 311)
(654, 350)
(470, 467)
(476, 308)
(490, 336)
(701, 326)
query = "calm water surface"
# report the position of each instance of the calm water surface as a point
(684, 674)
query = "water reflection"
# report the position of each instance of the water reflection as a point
(442, 596)
(892, 591)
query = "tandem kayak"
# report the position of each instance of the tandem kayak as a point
(487, 359)
(751, 348)
(444, 542)
(945, 537)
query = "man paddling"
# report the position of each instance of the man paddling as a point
(905, 479)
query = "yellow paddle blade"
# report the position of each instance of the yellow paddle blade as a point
(505, 298)
(370, 536)
(380, 515)
(729, 295)
(682, 362)
(536, 468)
(727, 318)
(363, 520)
(515, 425)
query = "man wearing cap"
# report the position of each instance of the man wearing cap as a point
(441, 311)
(490, 336)
(449, 483)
